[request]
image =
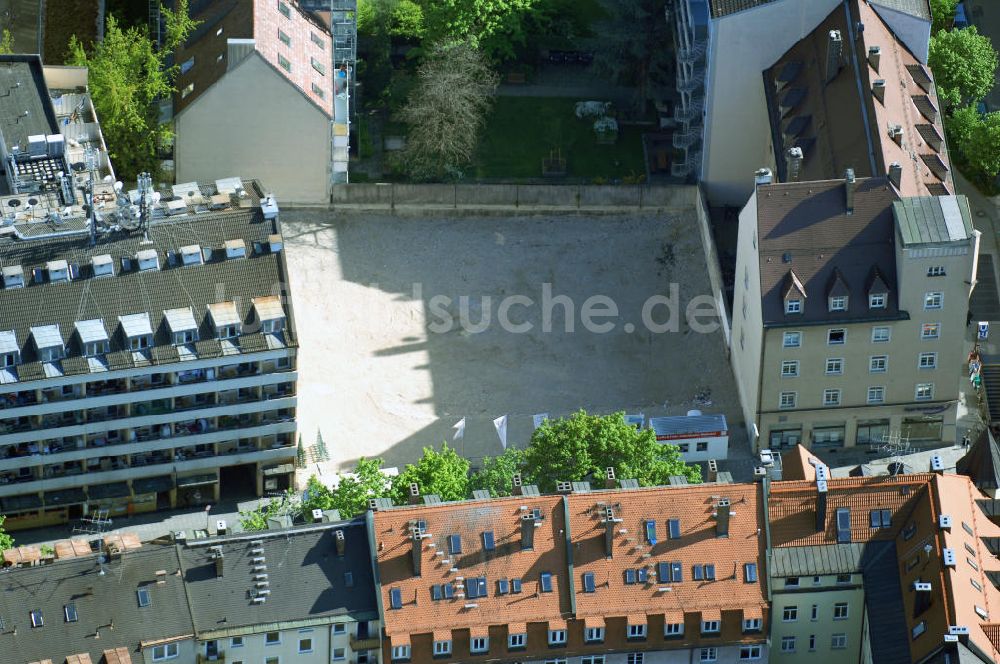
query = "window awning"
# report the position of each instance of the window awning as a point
(396, 640)
(711, 614)
(65, 497)
(753, 612)
(112, 490)
(197, 480)
(479, 632)
(556, 624)
(442, 635)
(153, 484)
(593, 622)
(673, 617)
(636, 619)
(20, 503)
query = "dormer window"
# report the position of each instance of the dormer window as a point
(182, 326)
(793, 294)
(49, 342)
(10, 352)
(876, 301)
(137, 331)
(236, 249)
(878, 290)
(93, 337)
(793, 306)
(270, 314)
(191, 255)
(226, 320)
(148, 259)
(13, 276)
(103, 266)
(838, 303)
(58, 271)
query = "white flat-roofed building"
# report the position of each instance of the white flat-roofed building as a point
(699, 437)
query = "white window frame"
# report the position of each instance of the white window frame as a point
(343, 654)
(841, 611)
(879, 391)
(268, 642)
(789, 368)
(873, 362)
(557, 637)
(636, 631)
(877, 331)
(479, 644)
(592, 659)
(442, 648)
(829, 334)
(166, 651)
(788, 644)
(838, 641)
(789, 614)
(838, 303)
(930, 331)
(923, 392)
(933, 300)
(787, 337)
(594, 635)
(310, 648)
(673, 629)
(936, 271)
(236, 642)
(635, 658)
(787, 400)
(930, 364)
(877, 301)
(832, 396)
(834, 366)
(750, 652)
(793, 306)
(752, 624)
(400, 652)
(711, 626)
(517, 640)
(709, 654)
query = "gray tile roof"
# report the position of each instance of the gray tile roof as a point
(816, 560)
(152, 292)
(890, 642)
(305, 576)
(687, 424)
(933, 219)
(804, 227)
(99, 600)
(722, 8)
(918, 8)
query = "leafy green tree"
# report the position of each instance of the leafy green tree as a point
(492, 26)
(128, 78)
(444, 473)
(365, 16)
(942, 14)
(6, 541)
(446, 110)
(406, 19)
(964, 63)
(6, 43)
(178, 25)
(977, 139)
(497, 472)
(582, 446)
(256, 519)
(352, 493)
(319, 450)
(630, 55)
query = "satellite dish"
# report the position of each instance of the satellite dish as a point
(118, 186)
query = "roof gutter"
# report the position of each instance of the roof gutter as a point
(861, 92)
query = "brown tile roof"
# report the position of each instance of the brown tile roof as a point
(726, 598)
(805, 227)
(117, 656)
(420, 614)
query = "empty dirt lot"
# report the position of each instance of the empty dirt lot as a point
(387, 364)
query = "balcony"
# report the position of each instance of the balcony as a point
(214, 659)
(18, 399)
(370, 643)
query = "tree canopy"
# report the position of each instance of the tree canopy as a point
(977, 139)
(942, 14)
(446, 110)
(496, 473)
(582, 446)
(636, 57)
(352, 493)
(493, 26)
(255, 520)
(128, 78)
(443, 473)
(964, 63)
(6, 541)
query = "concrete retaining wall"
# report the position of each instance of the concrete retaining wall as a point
(524, 198)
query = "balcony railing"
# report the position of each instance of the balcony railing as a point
(370, 643)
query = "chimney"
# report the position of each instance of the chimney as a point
(874, 56)
(834, 49)
(609, 479)
(849, 189)
(414, 493)
(418, 548)
(713, 470)
(564, 487)
(339, 541)
(609, 532)
(516, 484)
(762, 176)
(722, 518)
(878, 90)
(793, 158)
(895, 174)
(527, 532)
(317, 515)
(219, 560)
(161, 577)
(820, 506)
(896, 133)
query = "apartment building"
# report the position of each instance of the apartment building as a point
(722, 48)
(302, 595)
(668, 574)
(148, 354)
(850, 312)
(906, 567)
(259, 73)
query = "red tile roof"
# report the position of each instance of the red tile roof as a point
(795, 464)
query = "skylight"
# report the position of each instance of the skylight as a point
(750, 572)
(588, 582)
(843, 525)
(674, 526)
(489, 543)
(515, 585)
(545, 580)
(503, 587)
(454, 544)
(630, 576)
(651, 532)
(36, 618)
(143, 596)
(676, 571)
(71, 614)
(396, 598)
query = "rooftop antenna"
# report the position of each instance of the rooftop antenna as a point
(91, 159)
(145, 184)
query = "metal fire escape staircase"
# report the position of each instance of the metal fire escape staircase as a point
(344, 27)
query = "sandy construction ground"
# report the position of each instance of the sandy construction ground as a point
(386, 365)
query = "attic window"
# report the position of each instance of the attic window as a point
(13, 277)
(70, 612)
(475, 587)
(236, 249)
(503, 587)
(489, 543)
(36, 618)
(49, 342)
(838, 303)
(454, 544)
(876, 301)
(396, 598)
(545, 582)
(515, 586)
(148, 259)
(642, 575)
(103, 266)
(142, 595)
(844, 525)
(191, 255)
(349, 579)
(630, 576)
(58, 271)
(750, 572)
(674, 528)
(588, 582)
(676, 571)
(137, 330)
(880, 518)
(226, 319)
(793, 306)
(651, 532)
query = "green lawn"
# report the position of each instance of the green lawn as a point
(522, 131)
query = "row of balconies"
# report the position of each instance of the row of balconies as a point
(116, 386)
(173, 404)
